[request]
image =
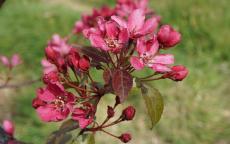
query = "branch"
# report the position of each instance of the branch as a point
(19, 85)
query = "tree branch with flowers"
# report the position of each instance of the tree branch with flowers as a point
(123, 40)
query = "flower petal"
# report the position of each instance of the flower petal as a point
(98, 42)
(136, 63)
(164, 59)
(119, 21)
(46, 113)
(45, 95)
(136, 20)
(123, 36)
(111, 30)
(160, 68)
(149, 26)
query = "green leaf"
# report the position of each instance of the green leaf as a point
(154, 103)
(63, 136)
(91, 139)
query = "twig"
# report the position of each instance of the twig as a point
(19, 85)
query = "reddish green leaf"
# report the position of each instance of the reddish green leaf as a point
(122, 83)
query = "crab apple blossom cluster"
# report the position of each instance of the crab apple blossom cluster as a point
(124, 39)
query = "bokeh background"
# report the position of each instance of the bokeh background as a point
(197, 110)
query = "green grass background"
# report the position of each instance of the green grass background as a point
(196, 111)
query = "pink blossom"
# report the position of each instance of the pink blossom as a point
(58, 103)
(89, 21)
(8, 127)
(148, 55)
(5, 61)
(110, 37)
(11, 62)
(168, 37)
(178, 73)
(15, 60)
(84, 115)
(137, 23)
(125, 7)
(48, 67)
(59, 45)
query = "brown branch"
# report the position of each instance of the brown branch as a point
(19, 85)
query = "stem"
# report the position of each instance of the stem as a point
(153, 79)
(23, 84)
(110, 58)
(109, 133)
(149, 76)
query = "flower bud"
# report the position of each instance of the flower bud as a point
(73, 59)
(110, 112)
(15, 60)
(168, 37)
(84, 63)
(126, 137)
(8, 127)
(128, 113)
(178, 73)
(51, 55)
(51, 77)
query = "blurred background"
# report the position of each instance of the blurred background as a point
(197, 110)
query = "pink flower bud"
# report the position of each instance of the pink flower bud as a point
(178, 73)
(51, 55)
(15, 60)
(168, 37)
(4, 61)
(128, 113)
(126, 137)
(8, 127)
(110, 112)
(84, 63)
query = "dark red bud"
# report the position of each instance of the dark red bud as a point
(51, 77)
(110, 112)
(84, 63)
(73, 59)
(126, 137)
(51, 55)
(128, 113)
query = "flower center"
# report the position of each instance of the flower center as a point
(147, 59)
(59, 102)
(112, 43)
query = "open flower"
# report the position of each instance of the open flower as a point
(149, 56)
(55, 103)
(110, 37)
(84, 115)
(137, 23)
